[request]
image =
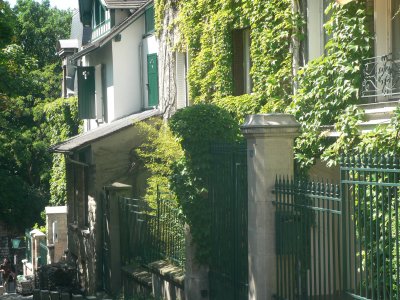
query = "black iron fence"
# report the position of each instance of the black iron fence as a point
(150, 234)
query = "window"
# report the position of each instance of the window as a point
(100, 20)
(387, 49)
(395, 39)
(241, 62)
(78, 173)
(99, 14)
(80, 195)
(316, 33)
(149, 20)
(181, 86)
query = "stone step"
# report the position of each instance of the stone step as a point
(371, 124)
(379, 110)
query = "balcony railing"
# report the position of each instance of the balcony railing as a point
(381, 77)
(101, 29)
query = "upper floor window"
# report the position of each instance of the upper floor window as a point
(242, 83)
(149, 19)
(99, 14)
(316, 33)
(380, 73)
(100, 20)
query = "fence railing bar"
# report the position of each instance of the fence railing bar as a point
(366, 169)
(380, 184)
(315, 208)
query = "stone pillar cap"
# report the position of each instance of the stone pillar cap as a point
(269, 120)
(36, 233)
(276, 124)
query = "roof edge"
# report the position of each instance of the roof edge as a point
(114, 32)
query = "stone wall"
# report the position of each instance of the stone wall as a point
(56, 224)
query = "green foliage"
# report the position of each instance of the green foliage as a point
(329, 84)
(197, 127)
(7, 24)
(20, 204)
(157, 154)
(39, 27)
(15, 70)
(27, 43)
(240, 106)
(206, 28)
(61, 122)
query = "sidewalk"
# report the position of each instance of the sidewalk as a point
(14, 296)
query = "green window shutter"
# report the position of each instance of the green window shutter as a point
(149, 19)
(86, 92)
(152, 77)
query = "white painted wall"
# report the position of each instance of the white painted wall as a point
(127, 81)
(150, 46)
(102, 56)
(125, 64)
(120, 15)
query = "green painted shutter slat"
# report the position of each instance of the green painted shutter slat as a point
(149, 19)
(86, 92)
(152, 76)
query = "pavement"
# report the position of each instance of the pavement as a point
(13, 296)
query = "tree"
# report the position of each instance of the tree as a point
(39, 27)
(30, 78)
(7, 24)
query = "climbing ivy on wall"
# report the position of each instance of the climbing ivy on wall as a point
(206, 29)
(329, 85)
(61, 122)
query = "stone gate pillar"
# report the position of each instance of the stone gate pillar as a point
(270, 139)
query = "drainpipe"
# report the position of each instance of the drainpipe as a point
(295, 46)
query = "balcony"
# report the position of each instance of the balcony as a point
(101, 29)
(381, 79)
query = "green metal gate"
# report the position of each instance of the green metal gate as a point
(228, 193)
(342, 243)
(371, 225)
(308, 224)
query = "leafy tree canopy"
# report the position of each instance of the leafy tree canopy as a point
(39, 27)
(30, 75)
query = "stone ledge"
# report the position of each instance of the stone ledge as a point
(139, 273)
(168, 272)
